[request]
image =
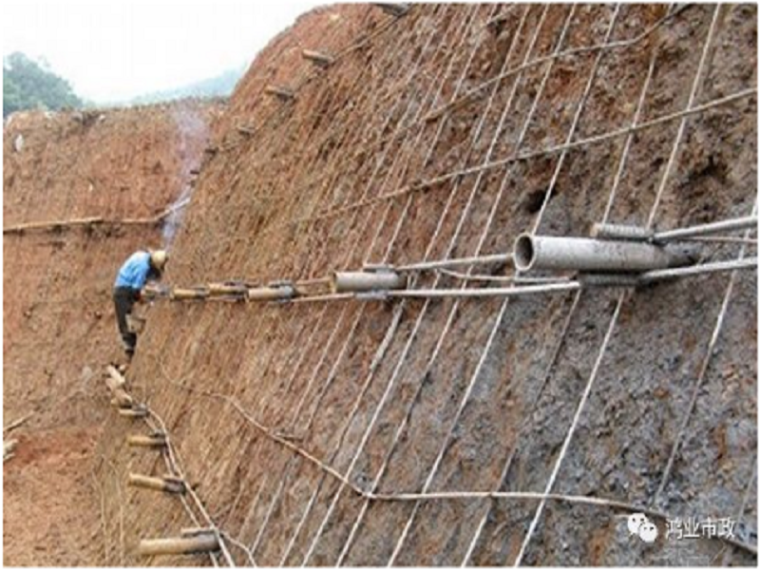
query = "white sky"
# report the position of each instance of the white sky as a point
(113, 50)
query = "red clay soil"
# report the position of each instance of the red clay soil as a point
(49, 500)
(59, 327)
(406, 397)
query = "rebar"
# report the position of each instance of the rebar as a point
(456, 262)
(745, 223)
(484, 293)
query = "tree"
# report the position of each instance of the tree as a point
(27, 85)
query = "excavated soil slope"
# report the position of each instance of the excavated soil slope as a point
(481, 394)
(59, 324)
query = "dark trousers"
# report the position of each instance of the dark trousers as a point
(124, 298)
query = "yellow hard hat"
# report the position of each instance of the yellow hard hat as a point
(158, 258)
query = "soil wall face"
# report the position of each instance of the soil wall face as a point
(111, 164)
(58, 317)
(591, 394)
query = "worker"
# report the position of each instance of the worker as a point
(142, 266)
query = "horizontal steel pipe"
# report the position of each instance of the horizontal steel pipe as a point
(584, 254)
(205, 542)
(271, 293)
(362, 281)
(165, 484)
(737, 224)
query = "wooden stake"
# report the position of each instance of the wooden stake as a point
(121, 399)
(115, 378)
(8, 448)
(165, 484)
(204, 542)
(281, 92)
(320, 59)
(154, 440)
(116, 382)
(136, 411)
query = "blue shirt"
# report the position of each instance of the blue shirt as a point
(134, 272)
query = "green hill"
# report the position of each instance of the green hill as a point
(28, 84)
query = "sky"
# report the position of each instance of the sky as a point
(113, 50)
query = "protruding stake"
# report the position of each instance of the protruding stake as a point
(116, 382)
(273, 292)
(179, 294)
(136, 411)
(226, 289)
(115, 378)
(320, 59)
(203, 542)
(9, 448)
(165, 484)
(154, 440)
(245, 131)
(121, 399)
(282, 92)
(397, 10)
(363, 281)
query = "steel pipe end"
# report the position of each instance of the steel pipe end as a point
(524, 253)
(334, 282)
